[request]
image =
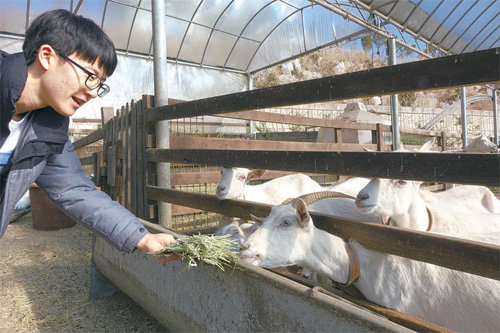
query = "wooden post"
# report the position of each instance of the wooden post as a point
(148, 175)
(338, 135)
(141, 161)
(380, 137)
(133, 158)
(106, 114)
(443, 141)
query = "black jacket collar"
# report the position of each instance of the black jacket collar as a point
(13, 75)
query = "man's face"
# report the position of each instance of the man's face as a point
(64, 86)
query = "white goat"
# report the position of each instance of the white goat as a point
(464, 209)
(450, 298)
(481, 144)
(238, 233)
(233, 185)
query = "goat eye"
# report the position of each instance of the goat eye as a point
(285, 223)
(401, 182)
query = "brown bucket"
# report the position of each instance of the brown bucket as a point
(45, 215)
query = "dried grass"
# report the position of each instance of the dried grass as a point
(207, 249)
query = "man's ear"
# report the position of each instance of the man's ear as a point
(46, 56)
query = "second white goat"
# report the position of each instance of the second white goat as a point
(446, 297)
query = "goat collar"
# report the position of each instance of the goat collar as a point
(387, 220)
(353, 265)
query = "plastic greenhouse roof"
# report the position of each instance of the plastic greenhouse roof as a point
(249, 35)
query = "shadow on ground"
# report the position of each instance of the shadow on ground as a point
(45, 281)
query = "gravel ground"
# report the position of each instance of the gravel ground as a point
(45, 281)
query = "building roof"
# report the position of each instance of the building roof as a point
(247, 36)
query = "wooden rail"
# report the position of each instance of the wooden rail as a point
(193, 142)
(475, 169)
(91, 138)
(301, 121)
(184, 178)
(445, 72)
(464, 255)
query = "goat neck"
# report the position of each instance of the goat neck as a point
(328, 256)
(417, 217)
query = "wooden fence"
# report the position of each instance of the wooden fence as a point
(125, 169)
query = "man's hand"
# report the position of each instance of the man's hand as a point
(155, 242)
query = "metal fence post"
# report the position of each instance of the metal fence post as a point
(396, 143)
(161, 98)
(463, 105)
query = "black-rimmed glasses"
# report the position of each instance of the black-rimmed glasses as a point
(93, 81)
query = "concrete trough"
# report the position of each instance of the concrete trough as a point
(248, 298)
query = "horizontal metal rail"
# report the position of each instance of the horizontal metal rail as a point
(451, 71)
(468, 256)
(473, 169)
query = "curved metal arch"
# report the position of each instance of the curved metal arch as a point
(446, 18)
(322, 46)
(391, 21)
(411, 13)
(77, 8)
(429, 16)
(385, 4)
(479, 32)
(212, 31)
(494, 41)
(187, 29)
(243, 30)
(486, 38)
(303, 29)
(457, 22)
(392, 8)
(27, 22)
(104, 13)
(472, 23)
(132, 26)
(270, 32)
(289, 4)
(471, 99)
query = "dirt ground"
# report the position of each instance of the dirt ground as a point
(45, 281)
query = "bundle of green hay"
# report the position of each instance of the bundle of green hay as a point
(208, 249)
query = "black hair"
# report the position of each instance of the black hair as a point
(69, 33)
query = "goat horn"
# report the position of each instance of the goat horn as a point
(316, 196)
(287, 201)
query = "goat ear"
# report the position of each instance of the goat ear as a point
(258, 220)
(256, 173)
(249, 228)
(303, 215)
(366, 149)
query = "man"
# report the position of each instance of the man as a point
(65, 61)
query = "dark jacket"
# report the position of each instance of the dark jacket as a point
(45, 155)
